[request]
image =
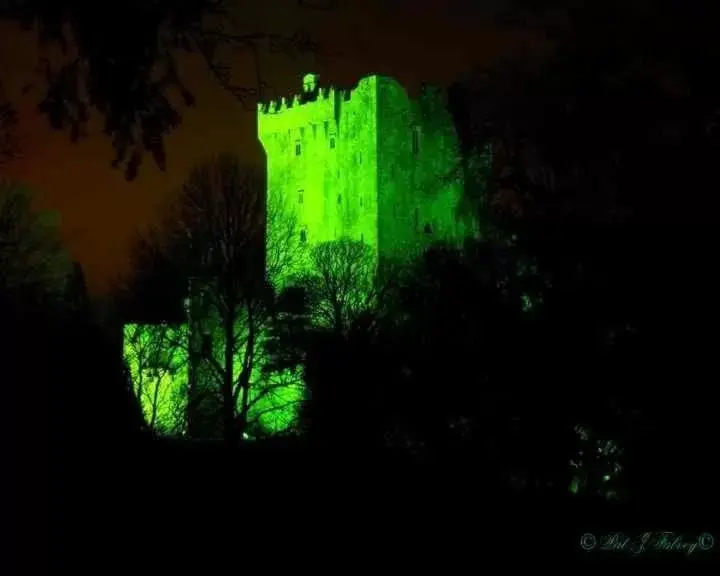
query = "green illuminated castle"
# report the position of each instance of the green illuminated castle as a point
(368, 164)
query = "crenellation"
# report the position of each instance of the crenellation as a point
(322, 100)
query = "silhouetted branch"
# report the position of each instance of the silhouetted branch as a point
(216, 239)
(121, 65)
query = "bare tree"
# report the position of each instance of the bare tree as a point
(341, 283)
(31, 253)
(156, 355)
(221, 229)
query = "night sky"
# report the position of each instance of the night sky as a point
(413, 41)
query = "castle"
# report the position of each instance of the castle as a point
(368, 164)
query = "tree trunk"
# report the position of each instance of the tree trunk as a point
(338, 317)
(230, 424)
(247, 368)
(191, 407)
(156, 394)
(245, 375)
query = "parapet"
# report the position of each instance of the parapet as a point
(311, 94)
(277, 106)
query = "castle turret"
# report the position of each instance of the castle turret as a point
(310, 83)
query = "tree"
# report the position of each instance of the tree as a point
(121, 63)
(608, 73)
(76, 292)
(157, 359)
(599, 150)
(156, 289)
(53, 345)
(218, 239)
(326, 324)
(32, 257)
(341, 283)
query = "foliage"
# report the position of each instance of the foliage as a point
(31, 254)
(121, 62)
(340, 283)
(459, 366)
(630, 96)
(598, 466)
(156, 288)
(64, 371)
(599, 151)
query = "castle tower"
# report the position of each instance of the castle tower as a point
(368, 164)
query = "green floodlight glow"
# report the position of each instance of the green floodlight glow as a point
(368, 164)
(156, 355)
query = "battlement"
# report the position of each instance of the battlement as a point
(277, 106)
(312, 94)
